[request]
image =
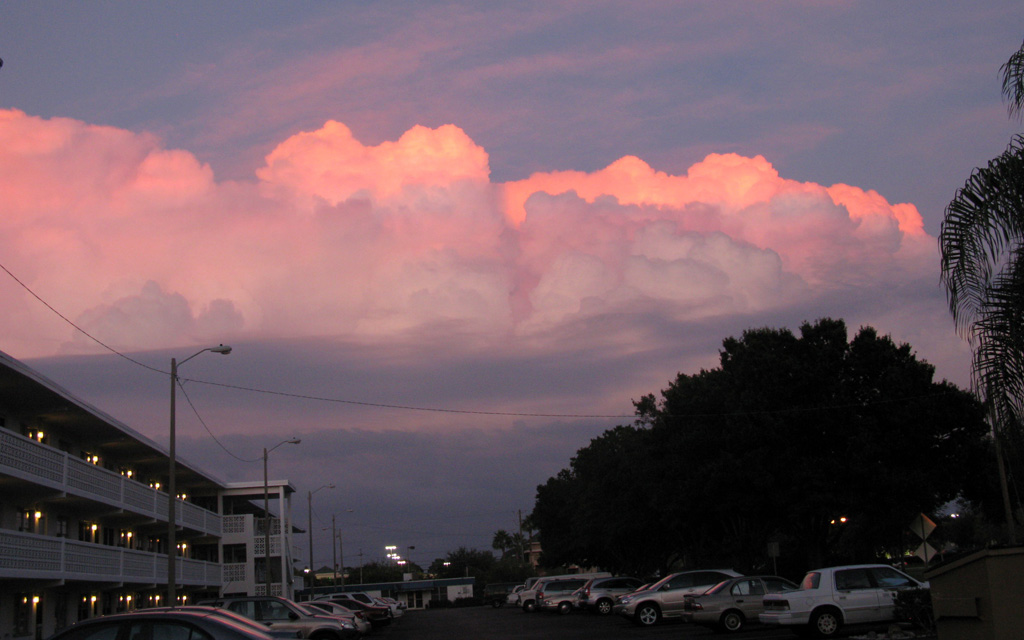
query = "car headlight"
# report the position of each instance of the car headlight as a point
(625, 599)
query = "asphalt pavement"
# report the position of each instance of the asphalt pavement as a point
(511, 623)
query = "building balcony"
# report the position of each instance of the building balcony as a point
(33, 556)
(24, 459)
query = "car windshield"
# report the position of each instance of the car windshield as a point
(810, 581)
(718, 587)
(660, 583)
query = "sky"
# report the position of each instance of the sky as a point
(451, 242)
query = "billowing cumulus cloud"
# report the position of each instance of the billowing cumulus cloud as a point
(144, 248)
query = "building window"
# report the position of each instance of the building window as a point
(88, 531)
(31, 521)
(22, 613)
(235, 554)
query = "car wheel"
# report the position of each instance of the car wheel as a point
(825, 623)
(564, 608)
(604, 606)
(732, 621)
(529, 606)
(647, 615)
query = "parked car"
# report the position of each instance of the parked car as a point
(280, 634)
(528, 596)
(730, 604)
(513, 596)
(835, 596)
(169, 623)
(557, 594)
(358, 618)
(496, 594)
(283, 614)
(664, 599)
(378, 615)
(397, 609)
(599, 593)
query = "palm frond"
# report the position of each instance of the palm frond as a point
(983, 225)
(999, 356)
(1013, 82)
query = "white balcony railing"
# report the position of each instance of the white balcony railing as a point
(29, 555)
(22, 457)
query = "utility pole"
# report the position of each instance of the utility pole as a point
(522, 554)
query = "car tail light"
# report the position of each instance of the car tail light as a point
(540, 595)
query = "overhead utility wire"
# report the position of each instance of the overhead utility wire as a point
(381, 405)
(203, 422)
(80, 329)
(297, 395)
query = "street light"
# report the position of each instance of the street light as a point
(171, 497)
(266, 511)
(312, 578)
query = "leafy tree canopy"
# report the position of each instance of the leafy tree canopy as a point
(787, 435)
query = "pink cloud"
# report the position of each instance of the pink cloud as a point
(145, 248)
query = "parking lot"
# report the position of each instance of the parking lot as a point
(486, 623)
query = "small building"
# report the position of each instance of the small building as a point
(415, 594)
(979, 596)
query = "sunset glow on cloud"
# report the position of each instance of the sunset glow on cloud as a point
(460, 238)
(339, 238)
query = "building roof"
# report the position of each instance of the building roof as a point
(35, 394)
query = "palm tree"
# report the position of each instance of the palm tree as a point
(982, 245)
(1013, 82)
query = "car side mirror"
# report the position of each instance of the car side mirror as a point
(292, 615)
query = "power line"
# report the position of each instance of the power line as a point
(78, 328)
(400, 407)
(203, 422)
(300, 396)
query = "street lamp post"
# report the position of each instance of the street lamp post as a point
(336, 550)
(172, 547)
(312, 573)
(266, 511)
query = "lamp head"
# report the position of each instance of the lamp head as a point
(294, 441)
(222, 349)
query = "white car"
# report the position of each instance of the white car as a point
(397, 608)
(832, 597)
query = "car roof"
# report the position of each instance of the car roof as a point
(167, 614)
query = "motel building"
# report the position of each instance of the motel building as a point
(83, 517)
